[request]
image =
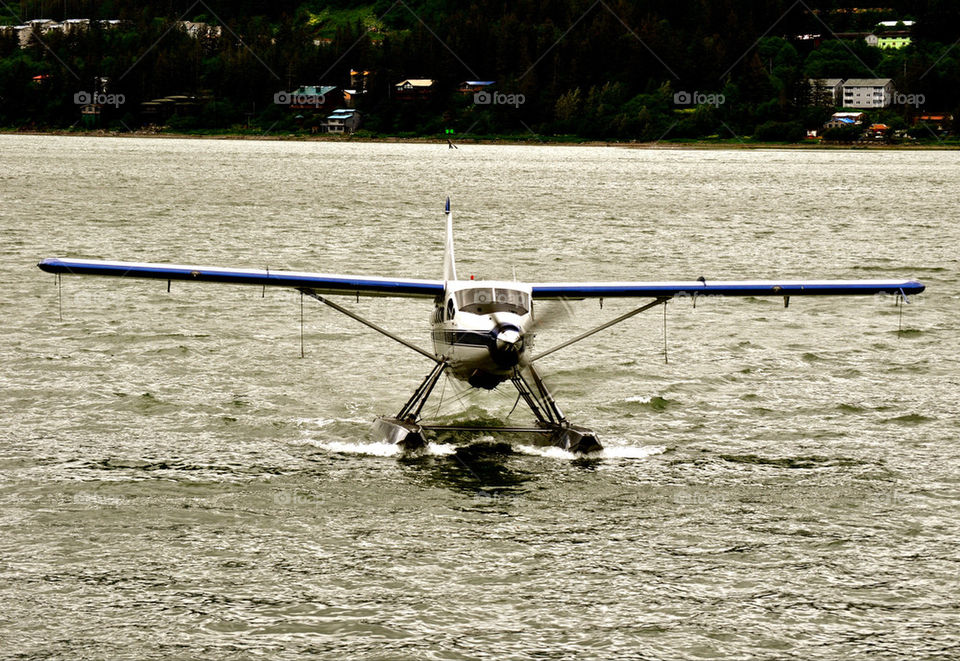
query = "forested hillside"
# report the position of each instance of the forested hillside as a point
(599, 69)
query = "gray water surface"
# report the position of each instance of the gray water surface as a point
(176, 482)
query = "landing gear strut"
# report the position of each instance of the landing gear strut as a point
(404, 429)
(549, 416)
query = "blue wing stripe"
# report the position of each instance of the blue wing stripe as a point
(318, 281)
(732, 288)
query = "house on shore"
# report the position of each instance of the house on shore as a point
(159, 111)
(844, 119)
(342, 120)
(937, 122)
(359, 85)
(352, 96)
(413, 89)
(468, 87)
(877, 132)
(893, 40)
(891, 34)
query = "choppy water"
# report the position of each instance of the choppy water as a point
(176, 482)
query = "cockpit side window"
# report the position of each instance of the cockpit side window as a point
(451, 310)
(483, 300)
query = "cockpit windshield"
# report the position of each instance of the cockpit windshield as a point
(485, 300)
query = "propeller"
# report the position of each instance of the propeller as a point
(548, 314)
(546, 317)
(510, 344)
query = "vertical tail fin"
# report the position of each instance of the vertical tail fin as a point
(449, 266)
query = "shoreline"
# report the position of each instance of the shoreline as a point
(664, 144)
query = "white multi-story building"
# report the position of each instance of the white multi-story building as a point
(867, 92)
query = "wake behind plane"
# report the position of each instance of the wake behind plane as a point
(482, 330)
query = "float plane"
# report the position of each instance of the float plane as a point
(483, 330)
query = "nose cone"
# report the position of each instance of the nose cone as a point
(508, 346)
(508, 338)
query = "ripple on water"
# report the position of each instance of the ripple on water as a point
(784, 487)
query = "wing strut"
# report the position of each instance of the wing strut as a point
(583, 336)
(369, 324)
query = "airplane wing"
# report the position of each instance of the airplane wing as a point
(324, 283)
(580, 290)
(321, 283)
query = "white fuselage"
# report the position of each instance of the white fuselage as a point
(480, 329)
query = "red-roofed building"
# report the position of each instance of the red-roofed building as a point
(940, 122)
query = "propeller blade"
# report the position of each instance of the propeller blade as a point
(546, 315)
